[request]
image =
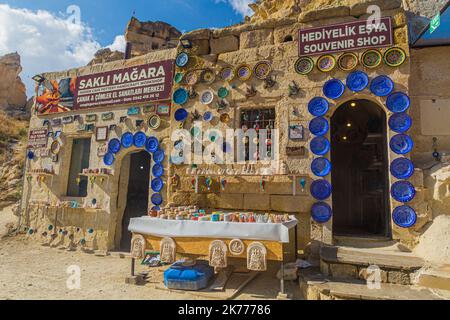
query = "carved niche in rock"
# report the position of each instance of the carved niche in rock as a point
(137, 246)
(167, 250)
(256, 257)
(218, 254)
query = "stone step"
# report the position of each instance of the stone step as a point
(435, 278)
(315, 286)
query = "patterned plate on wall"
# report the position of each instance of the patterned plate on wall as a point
(108, 159)
(127, 139)
(394, 57)
(191, 78)
(321, 167)
(404, 216)
(333, 89)
(318, 106)
(382, 86)
(348, 61)
(180, 115)
(319, 126)
(403, 191)
(262, 70)
(206, 97)
(139, 139)
(182, 59)
(180, 96)
(320, 189)
(157, 184)
(401, 144)
(244, 72)
(320, 146)
(402, 168)
(157, 199)
(357, 81)
(157, 170)
(326, 63)
(159, 156)
(114, 146)
(208, 76)
(400, 122)
(152, 144)
(398, 102)
(227, 74)
(371, 59)
(304, 65)
(321, 212)
(178, 77)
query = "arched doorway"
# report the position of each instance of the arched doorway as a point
(360, 175)
(137, 193)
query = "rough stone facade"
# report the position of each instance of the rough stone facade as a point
(12, 89)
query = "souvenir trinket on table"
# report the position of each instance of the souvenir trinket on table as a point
(333, 89)
(167, 249)
(382, 86)
(304, 65)
(371, 58)
(208, 76)
(394, 57)
(403, 191)
(256, 257)
(321, 212)
(182, 59)
(357, 81)
(137, 246)
(262, 70)
(326, 63)
(244, 72)
(348, 61)
(218, 254)
(227, 74)
(404, 216)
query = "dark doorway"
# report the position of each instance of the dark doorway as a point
(137, 196)
(360, 170)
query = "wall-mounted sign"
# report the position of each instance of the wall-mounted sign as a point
(296, 132)
(67, 120)
(107, 116)
(163, 110)
(149, 109)
(296, 151)
(38, 138)
(91, 118)
(134, 111)
(345, 37)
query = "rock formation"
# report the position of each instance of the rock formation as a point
(106, 55)
(12, 89)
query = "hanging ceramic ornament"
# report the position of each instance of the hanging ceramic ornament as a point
(223, 184)
(401, 144)
(139, 139)
(333, 89)
(400, 122)
(262, 185)
(321, 167)
(180, 96)
(127, 139)
(208, 183)
(402, 168)
(303, 184)
(319, 126)
(191, 78)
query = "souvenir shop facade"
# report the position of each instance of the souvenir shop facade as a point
(336, 91)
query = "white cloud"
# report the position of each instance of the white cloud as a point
(119, 44)
(240, 6)
(46, 42)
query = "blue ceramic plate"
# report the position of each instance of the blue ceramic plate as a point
(319, 126)
(403, 191)
(182, 59)
(157, 184)
(139, 139)
(333, 89)
(321, 212)
(404, 216)
(382, 86)
(157, 199)
(402, 168)
(114, 146)
(159, 156)
(30, 155)
(401, 144)
(320, 146)
(400, 122)
(321, 189)
(158, 170)
(207, 116)
(398, 102)
(108, 159)
(321, 167)
(180, 96)
(357, 81)
(181, 114)
(152, 144)
(318, 106)
(127, 139)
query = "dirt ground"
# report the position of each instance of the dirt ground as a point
(31, 271)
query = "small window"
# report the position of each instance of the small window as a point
(81, 151)
(288, 38)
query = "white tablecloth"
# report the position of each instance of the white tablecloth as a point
(215, 230)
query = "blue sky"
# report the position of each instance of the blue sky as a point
(47, 39)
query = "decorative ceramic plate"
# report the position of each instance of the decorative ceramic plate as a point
(318, 106)
(157, 184)
(401, 144)
(304, 65)
(371, 59)
(222, 92)
(127, 139)
(348, 61)
(114, 146)
(244, 72)
(55, 147)
(400, 122)
(208, 76)
(139, 139)
(321, 212)
(326, 63)
(191, 78)
(225, 118)
(398, 102)
(357, 81)
(157, 170)
(320, 189)
(159, 156)
(178, 77)
(320, 146)
(180, 96)
(403, 191)
(321, 167)
(206, 97)
(208, 116)
(152, 144)
(394, 57)
(108, 159)
(333, 89)
(227, 74)
(319, 126)
(262, 70)
(30, 155)
(182, 59)
(157, 199)
(180, 115)
(195, 131)
(402, 168)
(382, 86)
(154, 122)
(404, 216)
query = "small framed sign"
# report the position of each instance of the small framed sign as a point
(101, 134)
(67, 120)
(107, 116)
(91, 118)
(90, 128)
(149, 109)
(296, 132)
(134, 111)
(102, 149)
(163, 110)
(56, 122)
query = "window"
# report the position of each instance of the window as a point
(81, 150)
(259, 119)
